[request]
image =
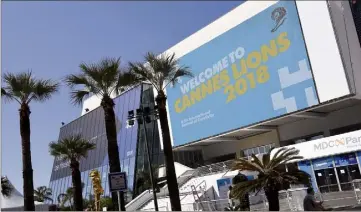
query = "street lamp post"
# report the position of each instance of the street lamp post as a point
(143, 116)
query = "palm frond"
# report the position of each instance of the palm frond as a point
(180, 72)
(78, 96)
(124, 81)
(160, 70)
(144, 73)
(256, 162)
(43, 90)
(271, 171)
(6, 187)
(42, 193)
(71, 148)
(284, 155)
(241, 189)
(93, 72)
(82, 80)
(242, 164)
(8, 96)
(24, 87)
(101, 79)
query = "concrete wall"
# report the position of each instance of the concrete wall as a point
(341, 118)
(228, 147)
(348, 42)
(337, 119)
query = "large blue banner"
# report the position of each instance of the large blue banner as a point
(256, 71)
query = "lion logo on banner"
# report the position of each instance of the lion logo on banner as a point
(279, 16)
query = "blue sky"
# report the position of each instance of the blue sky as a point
(52, 38)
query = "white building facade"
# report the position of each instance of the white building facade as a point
(311, 101)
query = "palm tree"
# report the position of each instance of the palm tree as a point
(103, 80)
(160, 72)
(6, 187)
(272, 177)
(63, 198)
(24, 88)
(43, 193)
(72, 149)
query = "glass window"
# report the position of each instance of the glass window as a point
(245, 153)
(104, 175)
(345, 159)
(267, 148)
(67, 183)
(316, 137)
(132, 165)
(249, 152)
(61, 189)
(106, 190)
(55, 188)
(86, 179)
(262, 150)
(126, 166)
(130, 182)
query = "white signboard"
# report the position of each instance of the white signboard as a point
(117, 181)
(333, 145)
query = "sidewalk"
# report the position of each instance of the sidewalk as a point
(348, 208)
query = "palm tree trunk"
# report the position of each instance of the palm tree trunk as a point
(113, 151)
(77, 188)
(273, 201)
(26, 151)
(168, 153)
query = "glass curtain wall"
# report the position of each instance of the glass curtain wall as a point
(142, 178)
(131, 143)
(92, 127)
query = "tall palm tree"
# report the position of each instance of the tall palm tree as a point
(103, 79)
(24, 88)
(63, 198)
(272, 176)
(42, 194)
(160, 72)
(6, 187)
(72, 149)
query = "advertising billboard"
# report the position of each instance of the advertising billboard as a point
(255, 71)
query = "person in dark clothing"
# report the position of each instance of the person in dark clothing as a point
(244, 204)
(310, 203)
(230, 200)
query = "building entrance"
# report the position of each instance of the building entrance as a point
(326, 180)
(336, 173)
(346, 174)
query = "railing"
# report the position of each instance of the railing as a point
(350, 196)
(291, 200)
(214, 168)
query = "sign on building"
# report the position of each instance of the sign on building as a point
(255, 71)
